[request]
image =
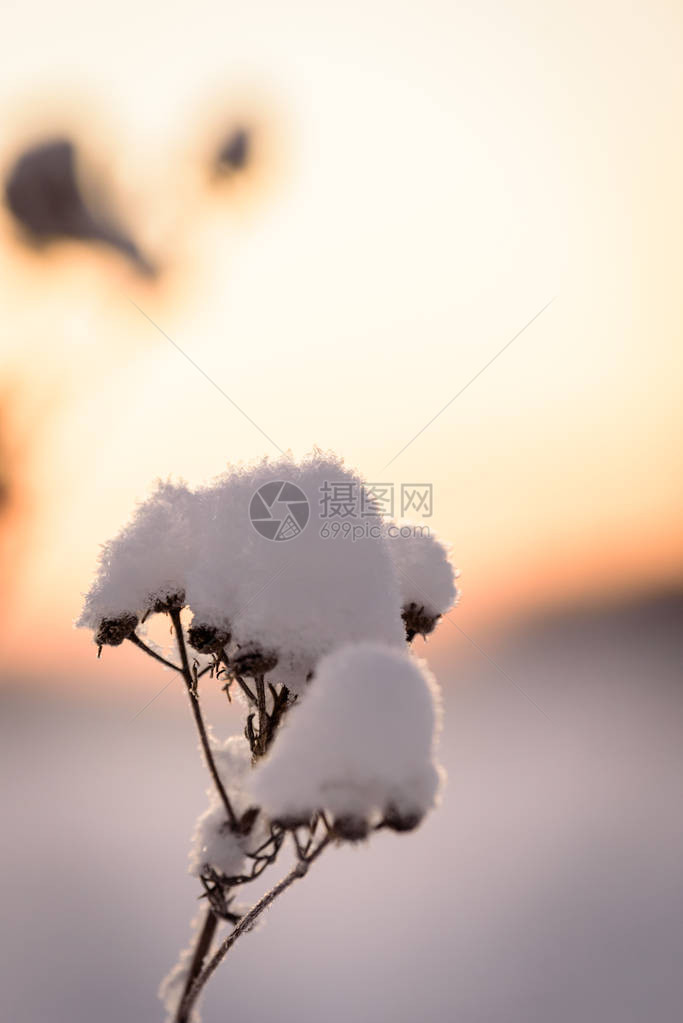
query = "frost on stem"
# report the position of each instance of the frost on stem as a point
(360, 746)
(426, 580)
(173, 985)
(143, 569)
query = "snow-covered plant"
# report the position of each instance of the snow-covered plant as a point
(308, 628)
(426, 580)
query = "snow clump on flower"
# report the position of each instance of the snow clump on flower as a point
(270, 603)
(291, 602)
(425, 577)
(144, 568)
(360, 746)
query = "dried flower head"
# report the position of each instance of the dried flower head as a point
(207, 639)
(401, 820)
(113, 631)
(418, 621)
(252, 661)
(291, 821)
(174, 601)
(425, 575)
(351, 828)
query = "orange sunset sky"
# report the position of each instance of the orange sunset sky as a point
(426, 179)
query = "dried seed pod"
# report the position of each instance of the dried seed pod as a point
(171, 602)
(351, 828)
(207, 639)
(247, 820)
(113, 631)
(253, 661)
(289, 822)
(418, 621)
(401, 820)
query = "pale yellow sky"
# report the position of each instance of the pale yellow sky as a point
(431, 176)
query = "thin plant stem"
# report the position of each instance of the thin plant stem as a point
(245, 689)
(262, 715)
(204, 939)
(238, 678)
(199, 720)
(300, 869)
(134, 638)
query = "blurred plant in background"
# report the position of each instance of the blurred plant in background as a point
(44, 194)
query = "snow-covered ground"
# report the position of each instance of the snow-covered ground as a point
(547, 887)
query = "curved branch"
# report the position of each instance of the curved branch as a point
(299, 870)
(134, 638)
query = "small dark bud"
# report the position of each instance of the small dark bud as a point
(418, 621)
(207, 639)
(113, 631)
(293, 820)
(351, 828)
(248, 820)
(235, 152)
(252, 661)
(170, 602)
(399, 820)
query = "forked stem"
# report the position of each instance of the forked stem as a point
(300, 869)
(134, 638)
(198, 973)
